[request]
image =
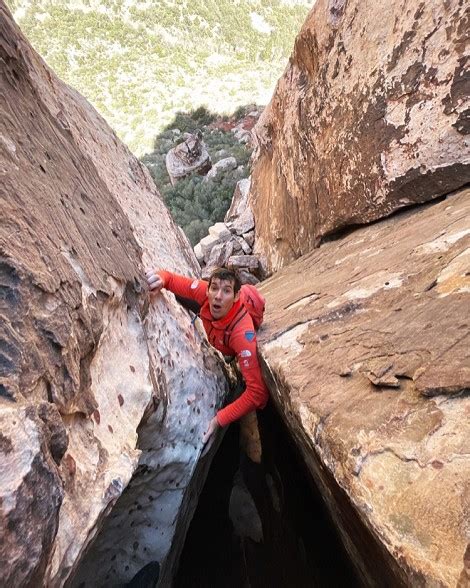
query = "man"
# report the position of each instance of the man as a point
(229, 328)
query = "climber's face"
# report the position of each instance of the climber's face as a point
(221, 297)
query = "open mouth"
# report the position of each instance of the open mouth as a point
(216, 307)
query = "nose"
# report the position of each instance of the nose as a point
(218, 295)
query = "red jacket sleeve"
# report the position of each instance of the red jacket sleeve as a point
(191, 288)
(256, 393)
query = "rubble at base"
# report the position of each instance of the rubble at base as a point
(230, 244)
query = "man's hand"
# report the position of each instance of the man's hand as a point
(211, 429)
(154, 281)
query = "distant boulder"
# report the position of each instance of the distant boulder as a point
(188, 157)
(224, 165)
(239, 200)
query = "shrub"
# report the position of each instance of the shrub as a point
(188, 122)
(196, 204)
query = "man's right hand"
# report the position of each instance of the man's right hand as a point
(154, 281)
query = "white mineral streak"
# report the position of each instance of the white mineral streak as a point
(368, 286)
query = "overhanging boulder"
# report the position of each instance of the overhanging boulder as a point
(371, 115)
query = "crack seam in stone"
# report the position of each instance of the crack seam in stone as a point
(358, 468)
(281, 333)
(303, 297)
(426, 39)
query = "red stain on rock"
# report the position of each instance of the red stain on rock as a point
(249, 122)
(121, 399)
(97, 417)
(69, 464)
(225, 126)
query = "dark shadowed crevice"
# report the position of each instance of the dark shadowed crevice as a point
(300, 545)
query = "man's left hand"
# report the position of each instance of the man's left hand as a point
(211, 429)
(154, 281)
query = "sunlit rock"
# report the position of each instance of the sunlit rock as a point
(371, 115)
(98, 384)
(190, 156)
(222, 166)
(353, 334)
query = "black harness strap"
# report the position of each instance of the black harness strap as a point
(236, 319)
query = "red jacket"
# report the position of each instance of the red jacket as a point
(241, 342)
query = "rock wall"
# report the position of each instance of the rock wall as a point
(85, 362)
(366, 349)
(371, 115)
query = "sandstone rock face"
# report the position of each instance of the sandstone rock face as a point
(240, 217)
(239, 200)
(217, 258)
(349, 332)
(249, 262)
(219, 231)
(371, 115)
(84, 359)
(31, 494)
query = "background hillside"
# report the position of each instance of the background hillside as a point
(194, 202)
(139, 62)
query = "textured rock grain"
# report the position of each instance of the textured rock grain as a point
(371, 115)
(393, 466)
(84, 360)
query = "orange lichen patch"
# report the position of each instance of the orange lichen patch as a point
(454, 285)
(455, 277)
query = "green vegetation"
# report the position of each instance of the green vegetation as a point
(194, 204)
(141, 62)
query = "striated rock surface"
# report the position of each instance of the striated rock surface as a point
(350, 331)
(92, 378)
(371, 115)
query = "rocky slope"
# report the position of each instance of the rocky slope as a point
(91, 374)
(371, 115)
(366, 346)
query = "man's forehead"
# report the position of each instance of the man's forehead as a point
(222, 283)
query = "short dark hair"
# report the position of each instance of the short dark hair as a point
(222, 273)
